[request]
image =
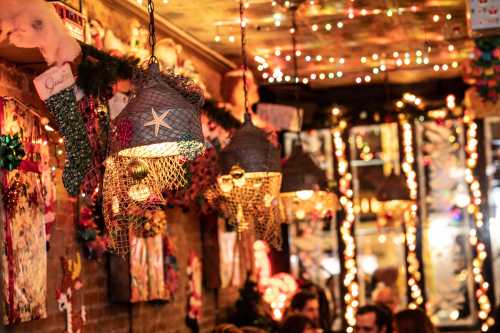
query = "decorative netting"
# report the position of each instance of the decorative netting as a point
(250, 202)
(307, 205)
(132, 192)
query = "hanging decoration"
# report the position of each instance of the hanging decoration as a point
(201, 173)
(91, 228)
(414, 270)
(96, 118)
(303, 191)
(66, 295)
(484, 71)
(350, 283)
(277, 289)
(26, 212)
(194, 306)
(247, 192)
(71, 125)
(479, 228)
(157, 132)
(11, 152)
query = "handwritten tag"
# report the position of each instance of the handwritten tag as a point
(54, 80)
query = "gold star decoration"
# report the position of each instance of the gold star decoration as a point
(158, 121)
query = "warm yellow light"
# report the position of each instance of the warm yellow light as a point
(139, 192)
(305, 194)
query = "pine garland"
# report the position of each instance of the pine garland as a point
(98, 71)
(220, 115)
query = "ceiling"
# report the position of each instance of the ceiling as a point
(341, 42)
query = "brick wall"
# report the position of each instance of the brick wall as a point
(102, 316)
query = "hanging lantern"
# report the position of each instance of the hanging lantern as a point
(303, 192)
(247, 192)
(395, 200)
(155, 134)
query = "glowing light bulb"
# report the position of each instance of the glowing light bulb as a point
(139, 192)
(304, 194)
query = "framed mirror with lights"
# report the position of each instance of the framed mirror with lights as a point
(445, 225)
(492, 149)
(379, 231)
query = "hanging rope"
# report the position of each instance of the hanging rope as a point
(152, 32)
(244, 59)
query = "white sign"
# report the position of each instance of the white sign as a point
(485, 14)
(282, 117)
(54, 80)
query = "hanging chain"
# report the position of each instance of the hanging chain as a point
(294, 32)
(244, 59)
(152, 32)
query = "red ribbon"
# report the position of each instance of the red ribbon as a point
(9, 248)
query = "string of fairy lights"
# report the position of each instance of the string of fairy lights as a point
(413, 269)
(351, 297)
(474, 208)
(272, 63)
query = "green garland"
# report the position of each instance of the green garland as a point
(11, 151)
(70, 122)
(98, 71)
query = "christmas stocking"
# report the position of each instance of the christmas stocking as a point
(72, 127)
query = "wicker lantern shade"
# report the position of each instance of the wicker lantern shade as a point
(251, 150)
(157, 132)
(247, 191)
(163, 121)
(395, 200)
(303, 192)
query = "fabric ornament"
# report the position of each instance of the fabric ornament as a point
(11, 152)
(66, 301)
(194, 306)
(70, 122)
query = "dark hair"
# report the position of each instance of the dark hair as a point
(383, 316)
(296, 323)
(413, 321)
(300, 299)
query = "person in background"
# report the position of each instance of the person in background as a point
(306, 303)
(325, 319)
(387, 296)
(413, 321)
(298, 323)
(373, 319)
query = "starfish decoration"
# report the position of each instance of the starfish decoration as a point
(158, 121)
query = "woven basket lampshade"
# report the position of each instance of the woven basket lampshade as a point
(303, 191)
(395, 200)
(157, 132)
(247, 191)
(164, 122)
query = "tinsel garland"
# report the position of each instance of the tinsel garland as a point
(72, 127)
(11, 151)
(98, 71)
